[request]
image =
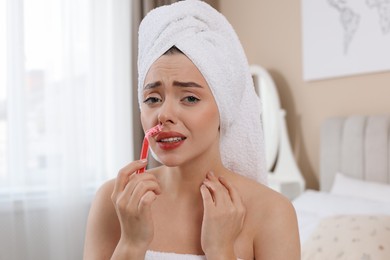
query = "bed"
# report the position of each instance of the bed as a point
(349, 217)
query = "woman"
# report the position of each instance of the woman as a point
(205, 200)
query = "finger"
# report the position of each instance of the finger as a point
(234, 195)
(206, 197)
(135, 179)
(145, 202)
(128, 202)
(211, 176)
(218, 191)
(142, 186)
(124, 174)
(140, 190)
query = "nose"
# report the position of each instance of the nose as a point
(167, 113)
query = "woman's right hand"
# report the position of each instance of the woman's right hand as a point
(133, 196)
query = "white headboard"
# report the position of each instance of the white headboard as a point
(358, 146)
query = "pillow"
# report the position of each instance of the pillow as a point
(349, 237)
(348, 186)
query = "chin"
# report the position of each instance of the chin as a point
(170, 162)
(170, 165)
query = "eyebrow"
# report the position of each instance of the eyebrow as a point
(152, 85)
(186, 84)
(175, 83)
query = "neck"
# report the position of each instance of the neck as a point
(185, 180)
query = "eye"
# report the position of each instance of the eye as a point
(191, 100)
(151, 100)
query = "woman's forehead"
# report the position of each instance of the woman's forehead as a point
(175, 67)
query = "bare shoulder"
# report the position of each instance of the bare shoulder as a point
(270, 217)
(103, 229)
(102, 203)
(105, 190)
(260, 198)
(102, 206)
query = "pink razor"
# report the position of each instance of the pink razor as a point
(145, 144)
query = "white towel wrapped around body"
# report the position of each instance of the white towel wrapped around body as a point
(153, 255)
(209, 41)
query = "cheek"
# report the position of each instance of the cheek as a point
(145, 121)
(209, 119)
(214, 115)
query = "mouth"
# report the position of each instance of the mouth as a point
(171, 139)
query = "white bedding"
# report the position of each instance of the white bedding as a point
(312, 206)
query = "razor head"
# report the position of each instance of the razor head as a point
(153, 131)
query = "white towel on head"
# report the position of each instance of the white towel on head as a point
(209, 41)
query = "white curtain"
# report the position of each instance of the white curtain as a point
(65, 118)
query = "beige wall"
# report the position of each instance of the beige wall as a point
(213, 3)
(270, 31)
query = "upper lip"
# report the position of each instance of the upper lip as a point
(164, 135)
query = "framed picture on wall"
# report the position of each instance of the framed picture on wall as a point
(345, 37)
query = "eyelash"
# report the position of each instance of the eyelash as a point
(151, 100)
(188, 99)
(194, 99)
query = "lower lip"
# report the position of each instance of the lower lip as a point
(169, 146)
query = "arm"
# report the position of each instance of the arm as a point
(103, 229)
(120, 224)
(277, 236)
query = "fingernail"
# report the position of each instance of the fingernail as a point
(205, 182)
(143, 161)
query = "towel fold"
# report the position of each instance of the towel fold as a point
(152, 255)
(209, 41)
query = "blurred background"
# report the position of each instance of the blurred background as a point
(69, 113)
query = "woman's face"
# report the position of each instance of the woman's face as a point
(176, 95)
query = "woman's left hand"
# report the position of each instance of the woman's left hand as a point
(223, 217)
